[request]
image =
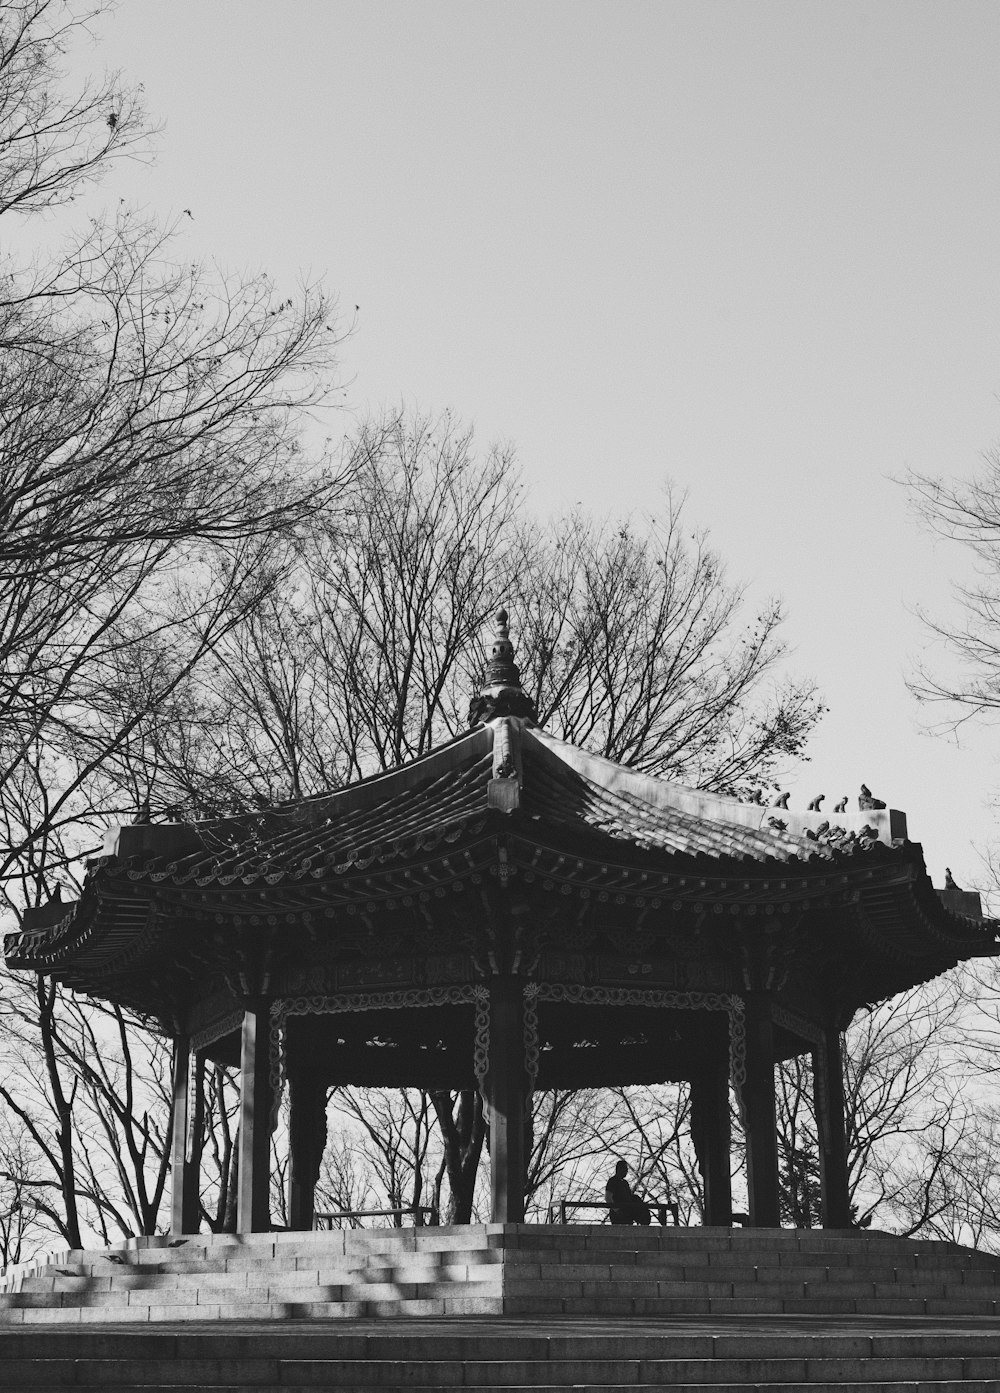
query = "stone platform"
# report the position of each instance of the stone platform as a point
(508, 1307)
(505, 1270)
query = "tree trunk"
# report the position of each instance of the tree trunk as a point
(462, 1132)
(46, 997)
(232, 1192)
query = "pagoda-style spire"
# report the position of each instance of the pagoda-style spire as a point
(501, 693)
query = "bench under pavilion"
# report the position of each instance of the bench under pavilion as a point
(506, 913)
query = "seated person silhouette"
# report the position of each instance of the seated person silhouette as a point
(626, 1206)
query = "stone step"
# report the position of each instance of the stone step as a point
(556, 1248)
(491, 1342)
(506, 1380)
(735, 1306)
(897, 1362)
(948, 1386)
(579, 1281)
(494, 1340)
(244, 1258)
(563, 1237)
(648, 1262)
(449, 1270)
(479, 1266)
(701, 1279)
(435, 1373)
(831, 1239)
(441, 1273)
(251, 1372)
(699, 1282)
(61, 1292)
(276, 1310)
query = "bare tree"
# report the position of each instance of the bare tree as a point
(397, 1128)
(399, 597)
(909, 1103)
(90, 1088)
(901, 1084)
(658, 1133)
(573, 1131)
(151, 460)
(21, 1222)
(145, 495)
(953, 1185)
(462, 1121)
(967, 513)
(53, 137)
(347, 1180)
(638, 649)
(154, 483)
(798, 1144)
(630, 639)
(220, 1153)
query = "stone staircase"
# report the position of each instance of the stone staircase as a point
(280, 1276)
(508, 1307)
(577, 1269)
(494, 1269)
(500, 1357)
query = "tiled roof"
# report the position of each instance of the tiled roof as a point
(397, 816)
(565, 801)
(583, 793)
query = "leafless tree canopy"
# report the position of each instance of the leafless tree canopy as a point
(152, 467)
(968, 513)
(54, 138)
(629, 637)
(640, 649)
(88, 1090)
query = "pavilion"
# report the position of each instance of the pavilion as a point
(506, 913)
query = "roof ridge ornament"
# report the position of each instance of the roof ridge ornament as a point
(501, 693)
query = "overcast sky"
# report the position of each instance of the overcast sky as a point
(750, 247)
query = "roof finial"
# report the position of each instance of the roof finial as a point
(501, 693)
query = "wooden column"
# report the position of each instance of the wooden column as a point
(759, 1117)
(711, 1134)
(306, 1143)
(179, 1132)
(191, 1218)
(253, 1211)
(506, 1097)
(828, 1082)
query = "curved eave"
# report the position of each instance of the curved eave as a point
(114, 923)
(100, 935)
(580, 824)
